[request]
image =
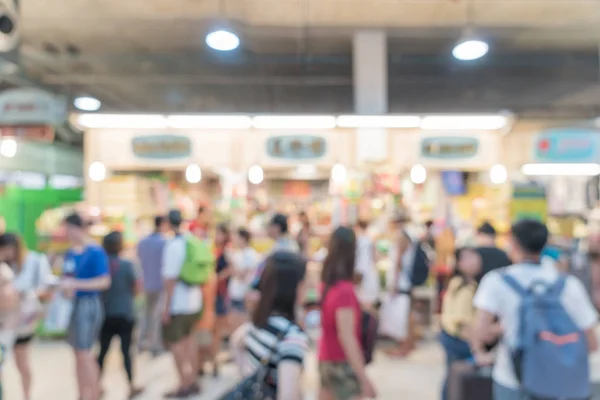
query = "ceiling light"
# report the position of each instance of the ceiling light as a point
(222, 40)
(498, 174)
(97, 171)
(470, 49)
(338, 173)
(561, 169)
(378, 121)
(464, 122)
(193, 173)
(418, 174)
(294, 122)
(209, 121)
(256, 174)
(8, 148)
(127, 121)
(86, 103)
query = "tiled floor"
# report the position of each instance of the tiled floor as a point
(415, 378)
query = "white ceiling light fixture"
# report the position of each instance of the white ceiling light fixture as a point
(256, 174)
(97, 171)
(470, 49)
(87, 103)
(464, 122)
(123, 121)
(584, 169)
(339, 174)
(418, 174)
(294, 122)
(193, 173)
(498, 174)
(378, 121)
(8, 148)
(222, 40)
(209, 121)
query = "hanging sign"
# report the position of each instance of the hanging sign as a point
(567, 145)
(39, 133)
(161, 147)
(529, 202)
(31, 106)
(298, 147)
(449, 148)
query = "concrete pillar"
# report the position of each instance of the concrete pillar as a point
(370, 91)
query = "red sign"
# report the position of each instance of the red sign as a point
(41, 133)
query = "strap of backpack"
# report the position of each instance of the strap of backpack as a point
(516, 286)
(559, 285)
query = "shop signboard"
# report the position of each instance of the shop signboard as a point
(161, 147)
(567, 145)
(449, 147)
(529, 202)
(39, 133)
(31, 106)
(296, 147)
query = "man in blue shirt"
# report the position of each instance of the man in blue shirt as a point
(150, 253)
(86, 275)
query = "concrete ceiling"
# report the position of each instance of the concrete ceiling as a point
(149, 55)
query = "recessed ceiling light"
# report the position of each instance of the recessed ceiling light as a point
(472, 49)
(222, 40)
(87, 103)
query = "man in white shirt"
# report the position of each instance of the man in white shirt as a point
(366, 270)
(182, 309)
(495, 298)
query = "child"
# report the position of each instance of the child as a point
(458, 310)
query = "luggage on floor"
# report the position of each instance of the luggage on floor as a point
(468, 382)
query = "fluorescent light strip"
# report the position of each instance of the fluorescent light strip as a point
(378, 121)
(294, 122)
(128, 121)
(209, 121)
(561, 169)
(464, 122)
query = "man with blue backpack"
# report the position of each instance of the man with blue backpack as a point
(548, 322)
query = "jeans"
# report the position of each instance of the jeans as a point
(456, 349)
(504, 393)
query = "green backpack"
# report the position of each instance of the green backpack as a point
(199, 261)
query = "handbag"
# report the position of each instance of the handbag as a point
(257, 385)
(58, 314)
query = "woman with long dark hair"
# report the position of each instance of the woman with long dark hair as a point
(273, 333)
(341, 360)
(33, 277)
(457, 308)
(119, 306)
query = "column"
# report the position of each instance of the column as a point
(370, 91)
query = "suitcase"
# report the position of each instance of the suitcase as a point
(468, 382)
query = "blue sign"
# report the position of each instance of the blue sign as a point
(162, 147)
(567, 145)
(449, 147)
(296, 147)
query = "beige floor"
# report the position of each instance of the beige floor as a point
(416, 378)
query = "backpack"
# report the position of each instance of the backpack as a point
(199, 261)
(368, 335)
(550, 355)
(420, 270)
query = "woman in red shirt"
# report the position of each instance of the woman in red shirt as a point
(341, 361)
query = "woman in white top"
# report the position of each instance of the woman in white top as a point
(245, 262)
(32, 277)
(367, 276)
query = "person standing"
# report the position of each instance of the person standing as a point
(86, 276)
(33, 277)
(199, 226)
(341, 361)
(303, 238)
(244, 262)
(492, 257)
(9, 315)
(367, 276)
(181, 311)
(119, 306)
(150, 253)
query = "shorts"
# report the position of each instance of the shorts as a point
(21, 340)
(238, 305)
(86, 322)
(221, 306)
(179, 327)
(339, 380)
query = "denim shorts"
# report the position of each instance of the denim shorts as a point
(504, 393)
(221, 306)
(238, 305)
(86, 321)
